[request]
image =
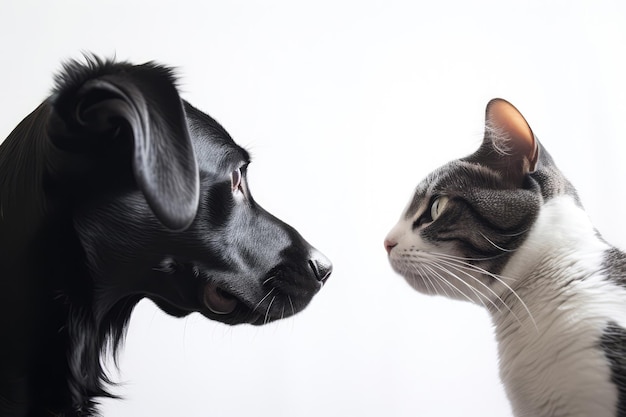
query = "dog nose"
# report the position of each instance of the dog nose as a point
(321, 266)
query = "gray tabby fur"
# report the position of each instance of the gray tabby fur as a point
(505, 229)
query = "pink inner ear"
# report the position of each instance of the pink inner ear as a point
(506, 119)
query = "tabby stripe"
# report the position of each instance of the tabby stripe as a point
(613, 343)
(515, 230)
(472, 247)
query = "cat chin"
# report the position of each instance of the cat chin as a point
(439, 268)
(434, 289)
(439, 281)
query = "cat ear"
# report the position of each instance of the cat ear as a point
(96, 108)
(509, 145)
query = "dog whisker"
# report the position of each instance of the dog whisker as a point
(268, 280)
(263, 299)
(267, 312)
(293, 310)
(185, 332)
(179, 239)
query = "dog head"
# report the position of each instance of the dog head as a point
(161, 204)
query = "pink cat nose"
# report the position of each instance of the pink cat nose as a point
(389, 245)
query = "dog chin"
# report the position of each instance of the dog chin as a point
(231, 298)
(223, 305)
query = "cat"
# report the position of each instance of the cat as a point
(505, 229)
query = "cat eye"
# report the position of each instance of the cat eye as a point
(437, 207)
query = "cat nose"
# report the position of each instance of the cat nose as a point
(389, 244)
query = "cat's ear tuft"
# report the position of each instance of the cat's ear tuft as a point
(509, 133)
(509, 145)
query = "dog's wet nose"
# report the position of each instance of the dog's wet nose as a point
(321, 266)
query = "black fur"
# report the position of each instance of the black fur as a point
(112, 190)
(613, 343)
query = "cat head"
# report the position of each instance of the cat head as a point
(467, 218)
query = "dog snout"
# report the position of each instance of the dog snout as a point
(321, 266)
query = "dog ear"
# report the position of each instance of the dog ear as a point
(98, 104)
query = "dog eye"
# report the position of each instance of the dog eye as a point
(235, 180)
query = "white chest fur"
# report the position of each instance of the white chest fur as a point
(552, 365)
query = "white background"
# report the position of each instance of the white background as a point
(345, 106)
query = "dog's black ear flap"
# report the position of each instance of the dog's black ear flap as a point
(141, 104)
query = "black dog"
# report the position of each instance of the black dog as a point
(112, 190)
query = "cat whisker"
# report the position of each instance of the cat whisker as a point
(466, 262)
(426, 279)
(494, 295)
(495, 245)
(441, 279)
(464, 259)
(478, 294)
(515, 234)
(426, 282)
(509, 203)
(418, 268)
(425, 270)
(500, 279)
(431, 272)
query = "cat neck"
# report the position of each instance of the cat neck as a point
(562, 248)
(558, 307)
